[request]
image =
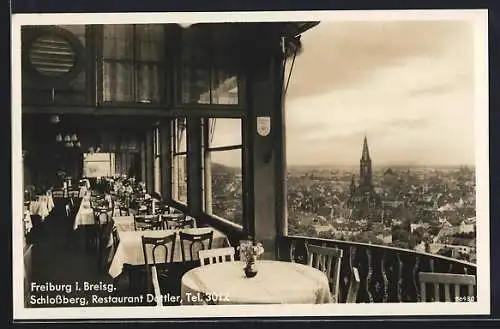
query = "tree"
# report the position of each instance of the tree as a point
(418, 233)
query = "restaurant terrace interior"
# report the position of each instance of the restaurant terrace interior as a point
(117, 138)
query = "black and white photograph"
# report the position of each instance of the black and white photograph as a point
(191, 165)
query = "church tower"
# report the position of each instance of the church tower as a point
(365, 168)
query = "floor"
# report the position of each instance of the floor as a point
(66, 267)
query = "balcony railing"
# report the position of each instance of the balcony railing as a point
(387, 275)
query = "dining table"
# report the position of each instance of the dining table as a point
(129, 250)
(42, 206)
(276, 282)
(85, 215)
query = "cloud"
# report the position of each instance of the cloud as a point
(407, 85)
(344, 54)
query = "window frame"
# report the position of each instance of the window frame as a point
(174, 171)
(111, 161)
(164, 67)
(178, 79)
(243, 227)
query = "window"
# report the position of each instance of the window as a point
(223, 169)
(203, 81)
(98, 164)
(132, 63)
(179, 160)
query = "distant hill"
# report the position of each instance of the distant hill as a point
(218, 168)
(379, 166)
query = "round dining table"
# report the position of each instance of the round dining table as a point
(275, 283)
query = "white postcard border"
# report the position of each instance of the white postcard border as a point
(482, 306)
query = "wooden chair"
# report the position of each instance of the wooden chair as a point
(104, 232)
(161, 267)
(447, 280)
(218, 255)
(123, 210)
(180, 223)
(110, 248)
(352, 293)
(328, 261)
(147, 222)
(96, 233)
(195, 239)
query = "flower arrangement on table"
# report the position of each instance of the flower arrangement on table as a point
(123, 189)
(249, 252)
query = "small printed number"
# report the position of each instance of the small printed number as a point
(466, 299)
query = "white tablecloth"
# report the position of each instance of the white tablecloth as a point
(275, 283)
(129, 250)
(124, 223)
(83, 191)
(28, 225)
(85, 214)
(43, 206)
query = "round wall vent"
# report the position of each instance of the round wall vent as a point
(52, 54)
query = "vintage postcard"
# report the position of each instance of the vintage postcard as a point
(195, 165)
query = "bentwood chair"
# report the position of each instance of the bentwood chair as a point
(328, 261)
(147, 222)
(156, 268)
(110, 247)
(102, 233)
(460, 285)
(182, 222)
(217, 255)
(194, 243)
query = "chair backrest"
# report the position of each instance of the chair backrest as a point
(147, 222)
(123, 210)
(116, 238)
(98, 212)
(186, 222)
(354, 281)
(193, 240)
(446, 281)
(156, 243)
(218, 255)
(182, 222)
(327, 260)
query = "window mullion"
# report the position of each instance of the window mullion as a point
(134, 63)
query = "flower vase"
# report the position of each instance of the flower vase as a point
(251, 268)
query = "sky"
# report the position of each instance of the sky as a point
(407, 85)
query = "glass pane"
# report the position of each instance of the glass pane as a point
(98, 165)
(147, 83)
(118, 42)
(196, 45)
(149, 42)
(181, 136)
(96, 157)
(179, 178)
(118, 82)
(227, 200)
(195, 86)
(224, 87)
(224, 132)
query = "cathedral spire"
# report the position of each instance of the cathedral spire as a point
(365, 167)
(366, 153)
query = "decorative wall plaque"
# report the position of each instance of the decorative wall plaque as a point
(263, 126)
